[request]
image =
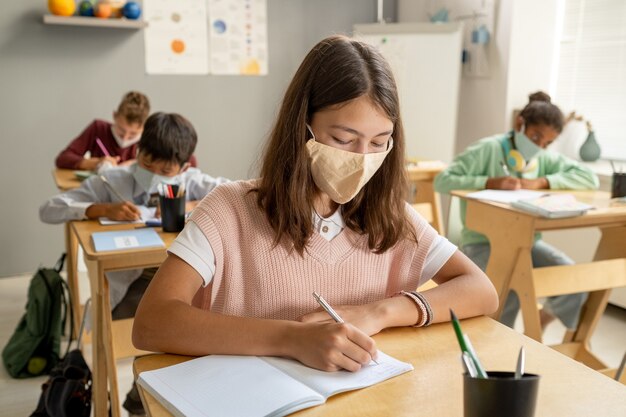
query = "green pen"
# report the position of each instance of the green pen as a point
(464, 347)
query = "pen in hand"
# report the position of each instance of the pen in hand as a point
(113, 190)
(102, 147)
(331, 312)
(505, 168)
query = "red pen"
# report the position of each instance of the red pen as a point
(102, 147)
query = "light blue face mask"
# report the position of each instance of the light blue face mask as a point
(525, 146)
(148, 180)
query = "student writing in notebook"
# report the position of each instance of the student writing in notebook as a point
(328, 214)
(519, 159)
(110, 144)
(166, 145)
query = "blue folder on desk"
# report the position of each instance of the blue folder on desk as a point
(126, 239)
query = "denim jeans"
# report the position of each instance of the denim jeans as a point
(565, 307)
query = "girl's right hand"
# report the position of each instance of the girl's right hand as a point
(332, 346)
(503, 183)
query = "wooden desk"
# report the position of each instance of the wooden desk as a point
(421, 179)
(65, 179)
(107, 348)
(435, 387)
(511, 236)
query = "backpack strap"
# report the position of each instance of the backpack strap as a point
(59, 265)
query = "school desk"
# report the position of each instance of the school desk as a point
(435, 387)
(111, 340)
(511, 236)
(422, 193)
(65, 179)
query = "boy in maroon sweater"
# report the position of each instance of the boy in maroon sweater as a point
(112, 143)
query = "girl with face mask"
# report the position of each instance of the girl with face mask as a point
(328, 214)
(104, 144)
(515, 160)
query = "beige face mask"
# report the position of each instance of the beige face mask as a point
(342, 174)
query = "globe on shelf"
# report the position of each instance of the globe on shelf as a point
(85, 8)
(131, 10)
(103, 10)
(62, 7)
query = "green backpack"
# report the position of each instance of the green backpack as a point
(34, 348)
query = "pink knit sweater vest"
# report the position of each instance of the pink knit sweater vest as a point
(255, 279)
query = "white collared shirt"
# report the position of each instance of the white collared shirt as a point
(193, 247)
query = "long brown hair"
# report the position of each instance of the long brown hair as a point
(338, 69)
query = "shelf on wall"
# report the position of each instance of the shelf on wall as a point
(120, 23)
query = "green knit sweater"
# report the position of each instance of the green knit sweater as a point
(483, 160)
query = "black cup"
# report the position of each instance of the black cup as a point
(500, 394)
(618, 188)
(172, 213)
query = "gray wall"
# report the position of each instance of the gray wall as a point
(54, 80)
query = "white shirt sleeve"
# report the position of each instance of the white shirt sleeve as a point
(193, 247)
(440, 251)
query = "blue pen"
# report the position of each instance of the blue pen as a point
(153, 223)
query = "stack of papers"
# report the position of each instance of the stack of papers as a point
(553, 206)
(505, 196)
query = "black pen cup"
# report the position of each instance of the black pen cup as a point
(500, 394)
(172, 213)
(618, 186)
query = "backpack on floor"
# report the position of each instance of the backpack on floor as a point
(67, 393)
(34, 348)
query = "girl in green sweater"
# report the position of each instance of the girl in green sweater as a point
(514, 160)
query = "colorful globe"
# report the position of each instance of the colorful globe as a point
(131, 10)
(85, 8)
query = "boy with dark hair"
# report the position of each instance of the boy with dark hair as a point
(166, 145)
(164, 151)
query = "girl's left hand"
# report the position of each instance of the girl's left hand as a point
(367, 318)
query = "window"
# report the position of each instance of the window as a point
(591, 74)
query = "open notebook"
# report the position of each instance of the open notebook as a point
(147, 216)
(247, 386)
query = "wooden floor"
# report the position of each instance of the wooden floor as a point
(18, 398)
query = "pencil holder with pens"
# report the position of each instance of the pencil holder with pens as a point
(500, 394)
(618, 185)
(172, 201)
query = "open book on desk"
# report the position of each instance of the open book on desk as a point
(553, 206)
(147, 216)
(247, 386)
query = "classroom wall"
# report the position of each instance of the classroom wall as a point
(54, 80)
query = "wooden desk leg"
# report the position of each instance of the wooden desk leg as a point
(99, 369)
(523, 284)
(71, 250)
(108, 350)
(510, 238)
(591, 315)
(612, 245)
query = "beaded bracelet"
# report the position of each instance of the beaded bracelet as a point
(420, 306)
(429, 310)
